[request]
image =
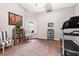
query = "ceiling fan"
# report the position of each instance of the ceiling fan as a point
(47, 6)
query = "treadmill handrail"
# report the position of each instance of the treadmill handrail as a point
(72, 51)
(70, 34)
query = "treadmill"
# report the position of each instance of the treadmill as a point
(68, 46)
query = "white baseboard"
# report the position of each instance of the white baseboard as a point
(45, 38)
(57, 39)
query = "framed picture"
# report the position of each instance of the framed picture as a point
(50, 24)
(14, 19)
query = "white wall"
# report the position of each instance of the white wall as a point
(4, 9)
(32, 17)
(77, 10)
(15, 8)
(57, 17)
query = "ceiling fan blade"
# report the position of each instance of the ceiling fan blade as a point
(48, 7)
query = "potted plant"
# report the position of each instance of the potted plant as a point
(18, 26)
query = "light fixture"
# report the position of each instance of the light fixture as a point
(40, 4)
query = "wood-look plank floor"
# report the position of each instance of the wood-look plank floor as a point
(34, 47)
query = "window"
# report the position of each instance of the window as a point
(31, 27)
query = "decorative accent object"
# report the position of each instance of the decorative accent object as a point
(50, 24)
(14, 19)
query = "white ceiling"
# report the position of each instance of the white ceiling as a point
(41, 6)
